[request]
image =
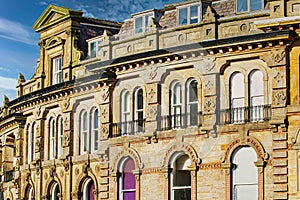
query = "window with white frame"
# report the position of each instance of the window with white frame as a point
(180, 178)
(125, 112)
(55, 192)
(244, 174)
(249, 5)
(52, 138)
(88, 190)
(192, 103)
(127, 181)
(141, 23)
(139, 110)
(95, 47)
(34, 135)
(84, 143)
(94, 138)
(237, 94)
(256, 95)
(60, 136)
(57, 70)
(176, 105)
(190, 14)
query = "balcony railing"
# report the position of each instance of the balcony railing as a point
(179, 121)
(128, 128)
(245, 114)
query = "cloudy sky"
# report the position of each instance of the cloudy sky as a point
(18, 42)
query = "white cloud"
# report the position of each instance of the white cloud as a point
(8, 83)
(17, 32)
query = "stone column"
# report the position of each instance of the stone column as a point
(227, 170)
(165, 171)
(137, 174)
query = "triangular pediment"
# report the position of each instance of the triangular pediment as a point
(54, 14)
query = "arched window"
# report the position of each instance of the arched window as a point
(94, 139)
(192, 103)
(30, 194)
(244, 174)
(29, 145)
(180, 178)
(55, 192)
(88, 190)
(127, 182)
(237, 94)
(84, 143)
(256, 94)
(34, 135)
(139, 110)
(60, 136)
(125, 112)
(176, 107)
(52, 138)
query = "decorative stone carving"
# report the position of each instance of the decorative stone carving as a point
(279, 98)
(66, 165)
(209, 105)
(52, 171)
(66, 140)
(151, 112)
(104, 113)
(244, 28)
(151, 72)
(66, 121)
(66, 104)
(38, 111)
(209, 86)
(105, 94)
(209, 15)
(153, 93)
(104, 132)
(37, 145)
(278, 55)
(275, 58)
(206, 64)
(279, 80)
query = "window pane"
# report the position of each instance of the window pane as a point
(182, 194)
(177, 93)
(242, 5)
(183, 16)
(91, 191)
(255, 5)
(93, 49)
(126, 103)
(193, 91)
(85, 122)
(96, 119)
(128, 176)
(129, 195)
(147, 21)
(139, 25)
(194, 14)
(140, 99)
(237, 90)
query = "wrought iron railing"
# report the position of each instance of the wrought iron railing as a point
(178, 121)
(128, 128)
(245, 114)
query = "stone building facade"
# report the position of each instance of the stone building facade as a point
(197, 100)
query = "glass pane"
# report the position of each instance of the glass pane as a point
(126, 102)
(85, 141)
(139, 25)
(193, 114)
(183, 16)
(128, 176)
(96, 119)
(140, 99)
(194, 14)
(182, 194)
(93, 49)
(147, 21)
(177, 93)
(255, 5)
(129, 195)
(242, 5)
(96, 140)
(193, 91)
(85, 122)
(91, 191)
(246, 192)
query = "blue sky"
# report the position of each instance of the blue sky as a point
(19, 48)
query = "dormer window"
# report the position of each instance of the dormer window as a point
(142, 23)
(57, 70)
(95, 47)
(189, 14)
(249, 5)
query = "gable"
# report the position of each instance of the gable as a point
(54, 14)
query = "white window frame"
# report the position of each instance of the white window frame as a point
(188, 7)
(52, 138)
(57, 69)
(190, 103)
(60, 132)
(95, 130)
(172, 187)
(29, 146)
(248, 6)
(125, 113)
(238, 111)
(97, 42)
(146, 19)
(84, 137)
(138, 110)
(121, 190)
(176, 106)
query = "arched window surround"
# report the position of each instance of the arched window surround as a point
(129, 186)
(88, 189)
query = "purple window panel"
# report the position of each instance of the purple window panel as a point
(129, 195)
(91, 191)
(128, 177)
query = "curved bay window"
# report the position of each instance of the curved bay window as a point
(192, 103)
(88, 190)
(94, 136)
(127, 182)
(180, 178)
(244, 174)
(176, 105)
(83, 132)
(125, 112)
(237, 98)
(139, 111)
(256, 96)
